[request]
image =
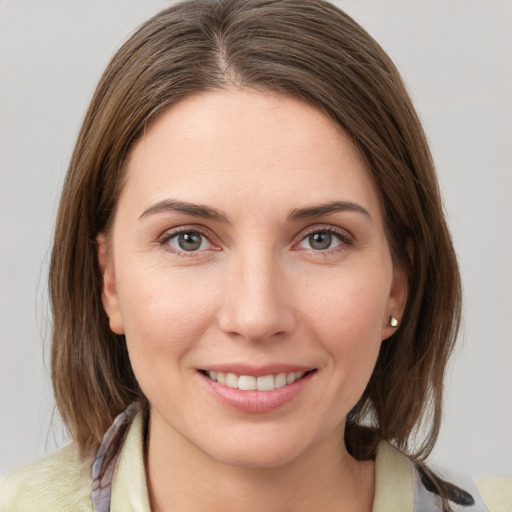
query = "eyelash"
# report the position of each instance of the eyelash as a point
(344, 239)
(342, 236)
(164, 240)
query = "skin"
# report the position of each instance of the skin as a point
(257, 291)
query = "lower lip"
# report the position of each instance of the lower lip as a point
(256, 402)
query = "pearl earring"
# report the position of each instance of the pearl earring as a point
(393, 322)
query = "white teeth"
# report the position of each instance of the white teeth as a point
(265, 383)
(280, 380)
(247, 382)
(231, 380)
(250, 383)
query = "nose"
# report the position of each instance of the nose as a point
(257, 303)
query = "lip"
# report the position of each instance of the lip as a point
(256, 402)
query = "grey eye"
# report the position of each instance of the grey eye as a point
(189, 241)
(321, 240)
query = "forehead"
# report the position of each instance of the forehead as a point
(266, 148)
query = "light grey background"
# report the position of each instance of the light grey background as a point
(456, 57)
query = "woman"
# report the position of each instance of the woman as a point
(250, 261)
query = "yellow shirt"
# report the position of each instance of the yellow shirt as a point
(61, 483)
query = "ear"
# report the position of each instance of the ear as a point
(109, 295)
(396, 301)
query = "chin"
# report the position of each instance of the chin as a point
(259, 448)
(255, 457)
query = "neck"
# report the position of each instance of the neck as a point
(182, 478)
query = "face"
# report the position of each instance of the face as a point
(249, 269)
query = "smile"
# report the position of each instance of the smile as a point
(252, 383)
(268, 390)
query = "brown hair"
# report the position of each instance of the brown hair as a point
(307, 49)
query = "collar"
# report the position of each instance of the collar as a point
(394, 476)
(129, 489)
(394, 480)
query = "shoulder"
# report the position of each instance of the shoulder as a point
(401, 485)
(496, 492)
(60, 482)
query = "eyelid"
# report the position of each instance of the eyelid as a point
(163, 239)
(345, 236)
(347, 239)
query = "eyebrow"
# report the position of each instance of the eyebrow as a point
(207, 212)
(324, 209)
(195, 210)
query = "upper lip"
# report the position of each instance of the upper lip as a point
(256, 371)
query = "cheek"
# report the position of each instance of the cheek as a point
(346, 317)
(164, 314)
(349, 305)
